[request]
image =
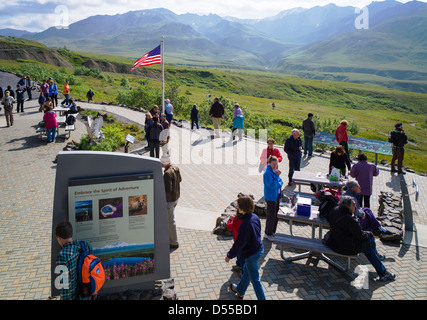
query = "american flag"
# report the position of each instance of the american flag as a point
(152, 57)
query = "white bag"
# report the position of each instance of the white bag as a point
(335, 174)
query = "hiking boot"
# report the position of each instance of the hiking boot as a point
(233, 287)
(388, 276)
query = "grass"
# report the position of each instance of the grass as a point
(375, 109)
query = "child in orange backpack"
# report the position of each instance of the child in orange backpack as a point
(69, 257)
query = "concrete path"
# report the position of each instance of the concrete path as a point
(214, 172)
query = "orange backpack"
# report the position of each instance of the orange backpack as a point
(91, 274)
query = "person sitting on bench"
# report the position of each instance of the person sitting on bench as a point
(367, 219)
(347, 237)
(72, 108)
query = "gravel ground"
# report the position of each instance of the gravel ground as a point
(7, 78)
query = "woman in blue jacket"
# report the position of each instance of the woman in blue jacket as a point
(272, 191)
(53, 93)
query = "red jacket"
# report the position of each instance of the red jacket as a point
(50, 119)
(266, 153)
(341, 133)
(233, 225)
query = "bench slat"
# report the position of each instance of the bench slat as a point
(315, 245)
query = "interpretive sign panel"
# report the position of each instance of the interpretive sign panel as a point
(355, 143)
(116, 216)
(116, 202)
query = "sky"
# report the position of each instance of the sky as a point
(38, 15)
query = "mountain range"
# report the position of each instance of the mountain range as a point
(321, 42)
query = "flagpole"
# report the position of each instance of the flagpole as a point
(163, 73)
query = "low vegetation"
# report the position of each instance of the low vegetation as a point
(371, 111)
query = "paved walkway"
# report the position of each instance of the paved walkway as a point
(213, 174)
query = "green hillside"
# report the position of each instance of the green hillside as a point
(392, 54)
(371, 110)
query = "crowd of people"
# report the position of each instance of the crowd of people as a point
(47, 100)
(353, 223)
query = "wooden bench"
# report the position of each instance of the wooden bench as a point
(313, 246)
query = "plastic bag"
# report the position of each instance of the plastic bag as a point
(335, 174)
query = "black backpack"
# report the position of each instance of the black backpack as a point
(70, 120)
(328, 200)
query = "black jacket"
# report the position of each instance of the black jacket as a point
(292, 146)
(153, 131)
(339, 162)
(217, 110)
(308, 127)
(398, 138)
(346, 236)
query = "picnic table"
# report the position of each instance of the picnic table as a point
(313, 245)
(319, 179)
(60, 110)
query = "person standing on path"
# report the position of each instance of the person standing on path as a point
(217, 113)
(66, 92)
(309, 134)
(168, 111)
(238, 122)
(8, 101)
(20, 98)
(194, 117)
(153, 132)
(364, 172)
(172, 180)
(293, 147)
(28, 87)
(270, 151)
(53, 93)
(341, 136)
(272, 192)
(51, 124)
(398, 139)
(164, 135)
(44, 88)
(249, 244)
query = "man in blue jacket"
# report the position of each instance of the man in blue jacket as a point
(293, 147)
(272, 190)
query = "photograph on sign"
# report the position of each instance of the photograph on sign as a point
(116, 216)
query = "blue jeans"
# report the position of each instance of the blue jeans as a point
(194, 121)
(294, 165)
(67, 97)
(308, 144)
(251, 275)
(372, 255)
(169, 118)
(51, 133)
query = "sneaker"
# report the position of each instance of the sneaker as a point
(381, 257)
(388, 276)
(233, 287)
